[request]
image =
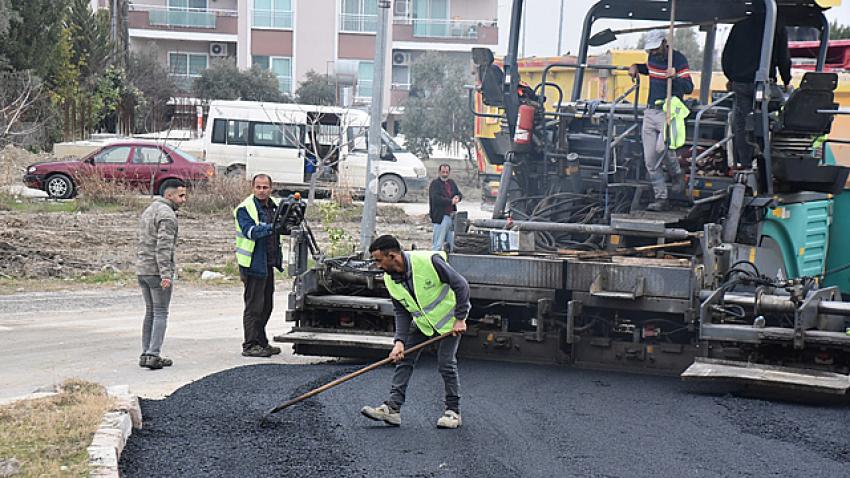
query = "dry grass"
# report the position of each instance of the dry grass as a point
(220, 194)
(96, 192)
(49, 436)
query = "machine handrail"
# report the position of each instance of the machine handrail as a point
(714, 104)
(609, 143)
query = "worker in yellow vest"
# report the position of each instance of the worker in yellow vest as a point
(430, 298)
(258, 254)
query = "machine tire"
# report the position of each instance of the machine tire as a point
(236, 171)
(391, 188)
(165, 185)
(59, 186)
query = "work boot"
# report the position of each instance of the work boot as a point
(659, 205)
(450, 419)
(256, 351)
(143, 360)
(272, 349)
(383, 413)
(677, 185)
(155, 363)
(166, 362)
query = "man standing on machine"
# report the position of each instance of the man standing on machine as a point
(740, 61)
(654, 139)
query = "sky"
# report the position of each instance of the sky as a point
(541, 37)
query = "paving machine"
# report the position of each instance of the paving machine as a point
(743, 281)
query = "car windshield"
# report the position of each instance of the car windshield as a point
(185, 155)
(390, 142)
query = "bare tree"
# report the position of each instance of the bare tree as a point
(19, 94)
(321, 140)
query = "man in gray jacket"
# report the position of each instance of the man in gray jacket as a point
(156, 270)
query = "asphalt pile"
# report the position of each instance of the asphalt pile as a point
(518, 420)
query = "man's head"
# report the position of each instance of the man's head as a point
(262, 186)
(176, 193)
(445, 169)
(656, 42)
(387, 254)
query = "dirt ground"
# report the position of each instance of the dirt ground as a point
(47, 240)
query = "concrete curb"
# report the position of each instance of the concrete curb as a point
(114, 430)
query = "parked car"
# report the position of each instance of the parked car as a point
(141, 165)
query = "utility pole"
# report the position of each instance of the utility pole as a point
(560, 28)
(367, 224)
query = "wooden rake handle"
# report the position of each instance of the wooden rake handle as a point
(357, 373)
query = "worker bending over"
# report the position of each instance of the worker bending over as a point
(430, 298)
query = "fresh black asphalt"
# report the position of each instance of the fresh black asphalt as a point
(518, 420)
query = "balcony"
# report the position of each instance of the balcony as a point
(446, 31)
(159, 17)
(357, 23)
(272, 19)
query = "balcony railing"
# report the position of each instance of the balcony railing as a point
(263, 18)
(159, 15)
(356, 23)
(437, 28)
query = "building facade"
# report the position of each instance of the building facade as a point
(292, 37)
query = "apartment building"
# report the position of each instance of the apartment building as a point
(292, 37)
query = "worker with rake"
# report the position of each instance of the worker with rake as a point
(430, 298)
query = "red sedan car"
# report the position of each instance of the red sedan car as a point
(142, 166)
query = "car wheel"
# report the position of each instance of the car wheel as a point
(167, 184)
(236, 172)
(59, 186)
(391, 188)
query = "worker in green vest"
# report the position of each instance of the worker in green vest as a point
(430, 298)
(258, 254)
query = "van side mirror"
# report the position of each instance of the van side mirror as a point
(384, 151)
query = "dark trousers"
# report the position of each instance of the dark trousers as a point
(258, 295)
(446, 364)
(744, 96)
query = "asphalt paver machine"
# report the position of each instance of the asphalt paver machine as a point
(737, 283)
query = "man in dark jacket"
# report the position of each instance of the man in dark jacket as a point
(741, 57)
(258, 253)
(443, 196)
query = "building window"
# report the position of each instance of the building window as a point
(431, 18)
(187, 64)
(281, 67)
(401, 77)
(365, 74)
(359, 16)
(273, 14)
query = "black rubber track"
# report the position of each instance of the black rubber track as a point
(518, 420)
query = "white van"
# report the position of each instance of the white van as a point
(292, 142)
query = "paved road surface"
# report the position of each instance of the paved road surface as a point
(519, 420)
(96, 335)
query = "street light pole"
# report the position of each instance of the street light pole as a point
(367, 223)
(560, 29)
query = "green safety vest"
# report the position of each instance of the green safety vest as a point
(245, 246)
(678, 115)
(434, 306)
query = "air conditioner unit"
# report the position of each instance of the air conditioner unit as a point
(401, 58)
(218, 49)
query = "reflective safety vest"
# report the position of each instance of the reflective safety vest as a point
(433, 308)
(245, 246)
(678, 115)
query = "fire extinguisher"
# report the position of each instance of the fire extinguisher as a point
(524, 125)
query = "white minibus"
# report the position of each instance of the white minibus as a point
(292, 142)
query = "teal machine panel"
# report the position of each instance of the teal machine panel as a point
(802, 231)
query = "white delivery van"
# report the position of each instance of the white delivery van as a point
(291, 143)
